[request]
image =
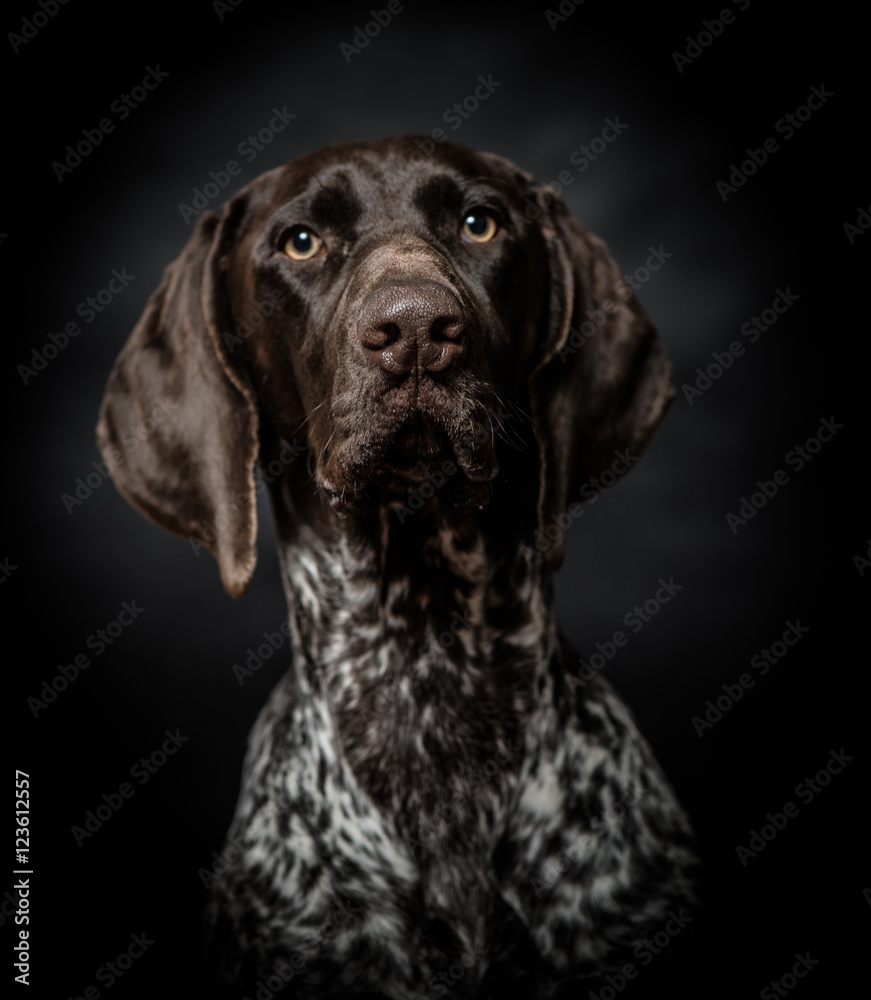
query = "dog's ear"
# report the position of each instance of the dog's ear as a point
(602, 382)
(179, 426)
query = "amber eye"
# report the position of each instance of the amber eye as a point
(479, 226)
(303, 244)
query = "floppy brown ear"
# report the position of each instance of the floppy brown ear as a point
(178, 426)
(603, 382)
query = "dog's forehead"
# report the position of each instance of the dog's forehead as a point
(391, 176)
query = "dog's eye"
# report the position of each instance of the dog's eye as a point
(303, 244)
(479, 226)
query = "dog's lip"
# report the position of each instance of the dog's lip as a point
(418, 451)
(418, 442)
(397, 483)
(423, 455)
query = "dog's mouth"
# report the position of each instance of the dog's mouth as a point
(426, 459)
(418, 444)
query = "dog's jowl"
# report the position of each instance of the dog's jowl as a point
(427, 805)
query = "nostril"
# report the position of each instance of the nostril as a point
(446, 328)
(376, 338)
(391, 332)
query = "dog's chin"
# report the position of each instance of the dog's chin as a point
(420, 465)
(417, 447)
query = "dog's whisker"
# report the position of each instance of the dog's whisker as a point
(309, 415)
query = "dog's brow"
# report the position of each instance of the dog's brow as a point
(337, 203)
(437, 193)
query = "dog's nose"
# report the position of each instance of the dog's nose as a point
(412, 325)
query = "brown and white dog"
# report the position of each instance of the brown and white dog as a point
(428, 806)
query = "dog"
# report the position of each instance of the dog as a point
(432, 360)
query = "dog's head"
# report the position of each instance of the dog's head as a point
(388, 307)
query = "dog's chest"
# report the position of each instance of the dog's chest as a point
(430, 694)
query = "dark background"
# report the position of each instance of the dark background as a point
(654, 186)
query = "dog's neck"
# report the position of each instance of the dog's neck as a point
(426, 635)
(424, 647)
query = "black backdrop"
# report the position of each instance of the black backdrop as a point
(74, 551)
